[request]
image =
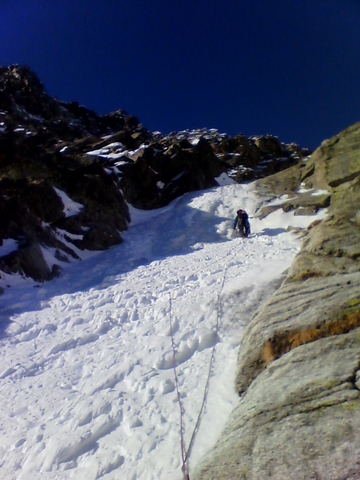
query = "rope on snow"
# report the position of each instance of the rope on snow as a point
(182, 411)
(185, 454)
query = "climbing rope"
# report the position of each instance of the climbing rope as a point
(185, 454)
(182, 411)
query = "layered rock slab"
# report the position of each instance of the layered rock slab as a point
(297, 420)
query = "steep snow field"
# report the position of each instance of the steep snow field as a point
(87, 380)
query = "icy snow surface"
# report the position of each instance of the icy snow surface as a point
(87, 385)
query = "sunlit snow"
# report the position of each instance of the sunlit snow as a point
(70, 206)
(87, 385)
(116, 150)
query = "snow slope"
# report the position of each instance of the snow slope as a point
(87, 381)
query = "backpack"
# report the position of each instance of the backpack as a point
(243, 216)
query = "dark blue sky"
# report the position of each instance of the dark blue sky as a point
(289, 68)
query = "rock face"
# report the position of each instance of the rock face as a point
(37, 176)
(159, 176)
(299, 362)
(54, 155)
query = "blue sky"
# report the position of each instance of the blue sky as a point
(289, 68)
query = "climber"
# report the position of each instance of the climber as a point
(242, 222)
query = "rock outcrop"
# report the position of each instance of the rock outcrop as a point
(299, 361)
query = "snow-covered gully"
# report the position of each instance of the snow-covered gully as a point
(87, 380)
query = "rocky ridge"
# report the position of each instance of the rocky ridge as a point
(55, 154)
(299, 360)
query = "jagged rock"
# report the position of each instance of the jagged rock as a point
(33, 195)
(156, 178)
(55, 271)
(42, 145)
(297, 150)
(299, 358)
(269, 144)
(24, 99)
(99, 238)
(303, 203)
(22, 88)
(29, 261)
(258, 157)
(240, 145)
(28, 199)
(310, 210)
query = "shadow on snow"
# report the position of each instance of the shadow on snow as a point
(178, 231)
(272, 232)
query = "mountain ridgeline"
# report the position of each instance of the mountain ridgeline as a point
(52, 153)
